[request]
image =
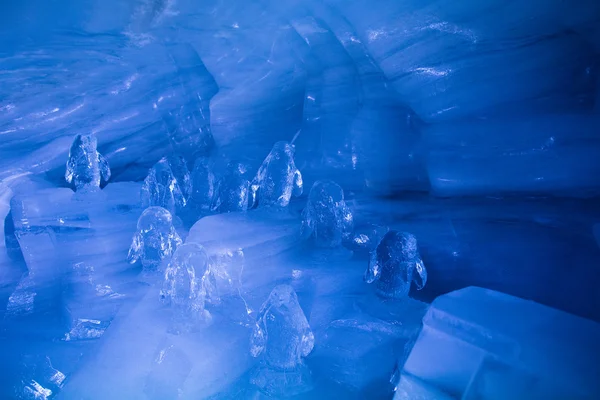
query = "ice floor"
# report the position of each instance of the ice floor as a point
(91, 326)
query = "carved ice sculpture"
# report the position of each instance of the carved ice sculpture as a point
(161, 188)
(233, 190)
(181, 173)
(155, 238)
(395, 264)
(326, 218)
(85, 166)
(277, 178)
(203, 186)
(189, 283)
(283, 337)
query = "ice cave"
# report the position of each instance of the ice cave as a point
(300, 199)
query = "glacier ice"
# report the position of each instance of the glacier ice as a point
(395, 264)
(327, 220)
(155, 238)
(86, 167)
(277, 178)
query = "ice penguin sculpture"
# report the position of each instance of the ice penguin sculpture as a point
(277, 178)
(395, 264)
(326, 219)
(161, 188)
(86, 168)
(232, 193)
(283, 337)
(154, 240)
(188, 284)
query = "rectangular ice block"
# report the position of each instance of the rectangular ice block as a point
(481, 344)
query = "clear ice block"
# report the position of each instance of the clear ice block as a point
(481, 344)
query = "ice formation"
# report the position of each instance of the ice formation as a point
(86, 167)
(162, 189)
(155, 238)
(189, 283)
(395, 264)
(277, 178)
(327, 219)
(283, 337)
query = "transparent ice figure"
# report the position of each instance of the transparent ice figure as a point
(203, 185)
(181, 173)
(161, 188)
(189, 283)
(86, 168)
(395, 264)
(155, 239)
(326, 218)
(277, 178)
(283, 337)
(233, 190)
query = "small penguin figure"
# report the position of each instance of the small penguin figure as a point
(86, 168)
(393, 265)
(326, 218)
(203, 186)
(181, 173)
(155, 239)
(189, 283)
(283, 336)
(232, 193)
(277, 178)
(161, 188)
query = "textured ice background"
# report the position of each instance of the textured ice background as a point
(473, 125)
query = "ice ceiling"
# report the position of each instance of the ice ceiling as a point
(473, 124)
